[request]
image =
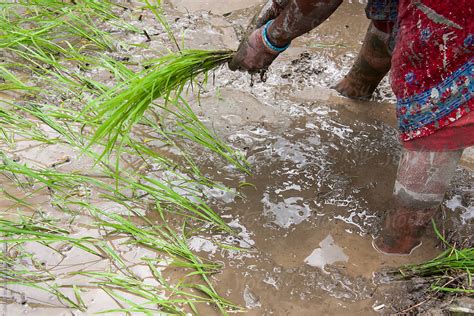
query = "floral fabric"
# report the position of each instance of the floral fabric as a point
(432, 63)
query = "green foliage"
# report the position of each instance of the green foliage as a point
(49, 51)
(451, 271)
(123, 107)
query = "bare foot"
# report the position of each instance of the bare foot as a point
(355, 89)
(403, 246)
(371, 65)
(402, 230)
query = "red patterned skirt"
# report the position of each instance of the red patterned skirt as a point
(432, 73)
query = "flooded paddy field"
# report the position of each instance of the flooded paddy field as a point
(322, 174)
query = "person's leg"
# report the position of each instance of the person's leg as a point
(422, 180)
(370, 67)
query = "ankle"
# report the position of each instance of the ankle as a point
(356, 88)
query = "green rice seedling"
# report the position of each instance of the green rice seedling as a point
(51, 40)
(185, 172)
(193, 204)
(49, 233)
(52, 289)
(13, 124)
(14, 36)
(12, 270)
(159, 189)
(164, 239)
(12, 82)
(60, 185)
(45, 31)
(18, 202)
(183, 127)
(201, 270)
(61, 79)
(153, 237)
(156, 188)
(54, 21)
(188, 126)
(26, 231)
(153, 301)
(52, 117)
(118, 69)
(329, 45)
(179, 291)
(56, 75)
(61, 120)
(83, 26)
(452, 271)
(125, 105)
(159, 15)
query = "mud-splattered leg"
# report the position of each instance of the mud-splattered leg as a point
(370, 67)
(422, 180)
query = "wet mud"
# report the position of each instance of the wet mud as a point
(324, 168)
(323, 174)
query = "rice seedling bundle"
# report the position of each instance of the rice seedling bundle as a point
(452, 271)
(122, 107)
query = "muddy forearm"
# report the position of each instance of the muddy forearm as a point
(300, 17)
(269, 11)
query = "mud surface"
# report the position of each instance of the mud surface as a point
(323, 173)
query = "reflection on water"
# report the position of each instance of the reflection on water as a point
(329, 253)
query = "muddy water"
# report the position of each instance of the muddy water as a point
(324, 169)
(213, 6)
(321, 183)
(323, 173)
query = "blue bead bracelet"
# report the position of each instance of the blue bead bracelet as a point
(267, 42)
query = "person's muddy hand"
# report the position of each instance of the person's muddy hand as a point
(269, 11)
(256, 53)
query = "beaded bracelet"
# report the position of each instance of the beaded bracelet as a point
(267, 42)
